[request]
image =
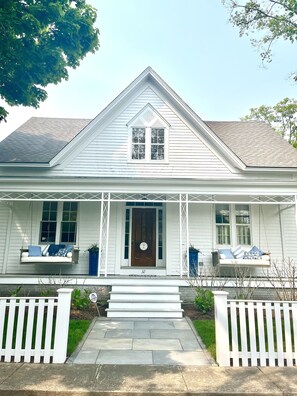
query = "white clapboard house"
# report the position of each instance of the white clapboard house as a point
(145, 179)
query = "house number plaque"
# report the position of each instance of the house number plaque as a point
(143, 246)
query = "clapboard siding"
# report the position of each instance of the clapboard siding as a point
(289, 231)
(201, 230)
(107, 154)
(89, 223)
(265, 227)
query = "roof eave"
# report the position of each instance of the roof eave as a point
(270, 169)
(26, 164)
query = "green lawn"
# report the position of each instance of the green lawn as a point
(206, 330)
(77, 329)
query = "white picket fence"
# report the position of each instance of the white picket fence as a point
(255, 333)
(35, 329)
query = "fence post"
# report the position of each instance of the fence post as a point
(62, 325)
(222, 331)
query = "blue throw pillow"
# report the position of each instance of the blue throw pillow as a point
(34, 251)
(227, 253)
(53, 249)
(256, 250)
(69, 249)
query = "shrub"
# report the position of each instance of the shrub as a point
(204, 300)
(80, 299)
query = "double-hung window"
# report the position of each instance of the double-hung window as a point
(148, 136)
(148, 144)
(233, 224)
(59, 222)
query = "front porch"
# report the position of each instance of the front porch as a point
(145, 234)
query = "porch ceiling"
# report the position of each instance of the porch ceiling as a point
(149, 197)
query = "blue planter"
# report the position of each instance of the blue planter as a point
(193, 259)
(93, 263)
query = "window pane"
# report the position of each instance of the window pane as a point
(243, 232)
(68, 232)
(242, 214)
(48, 231)
(138, 135)
(157, 144)
(138, 151)
(222, 214)
(68, 224)
(223, 235)
(48, 224)
(243, 235)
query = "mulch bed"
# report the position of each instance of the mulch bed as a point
(91, 312)
(191, 311)
(88, 313)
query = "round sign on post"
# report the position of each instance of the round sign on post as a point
(93, 297)
(143, 246)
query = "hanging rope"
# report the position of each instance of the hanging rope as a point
(281, 232)
(29, 219)
(264, 228)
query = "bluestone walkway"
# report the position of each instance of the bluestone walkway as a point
(142, 341)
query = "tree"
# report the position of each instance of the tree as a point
(40, 39)
(282, 117)
(275, 18)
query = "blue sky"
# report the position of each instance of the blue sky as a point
(189, 43)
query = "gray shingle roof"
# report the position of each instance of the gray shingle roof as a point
(39, 140)
(255, 143)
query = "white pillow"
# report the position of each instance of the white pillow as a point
(69, 254)
(25, 254)
(238, 252)
(222, 256)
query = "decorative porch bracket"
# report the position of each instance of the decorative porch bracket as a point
(151, 197)
(104, 233)
(184, 234)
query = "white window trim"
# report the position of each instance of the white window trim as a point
(147, 158)
(233, 234)
(59, 222)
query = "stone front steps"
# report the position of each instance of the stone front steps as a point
(144, 299)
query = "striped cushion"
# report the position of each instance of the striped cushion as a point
(238, 252)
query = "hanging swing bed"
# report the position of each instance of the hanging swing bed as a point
(239, 257)
(65, 254)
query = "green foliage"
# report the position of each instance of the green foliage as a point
(77, 329)
(93, 248)
(274, 19)
(204, 300)
(16, 292)
(206, 331)
(40, 40)
(282, 117)
(80, 299)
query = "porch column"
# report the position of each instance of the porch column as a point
(104, 233)
(184, 234)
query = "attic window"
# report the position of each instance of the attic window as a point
(148, 144)
(148, 136)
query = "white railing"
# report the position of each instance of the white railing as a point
(35, 329)
(255, 333)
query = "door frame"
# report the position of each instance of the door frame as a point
(137, 230)
(126, 249)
